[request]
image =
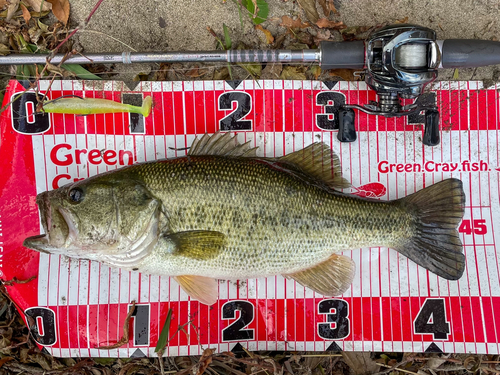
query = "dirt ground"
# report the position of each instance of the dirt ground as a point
(181, 25)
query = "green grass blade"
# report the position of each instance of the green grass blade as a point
(227, 37)
(80, 71)
(163, 339)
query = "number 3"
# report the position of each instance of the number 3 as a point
(338, 325)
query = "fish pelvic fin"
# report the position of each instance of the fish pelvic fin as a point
(329, 278)
(221, 145)
(320, 162)
(204, 289)
(197, 244)
(435, 244)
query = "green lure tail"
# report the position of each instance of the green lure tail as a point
(91, 106)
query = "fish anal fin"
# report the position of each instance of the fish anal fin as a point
(197, 244)
(221, 145)
(329, 278)
(203, 289)
(320, 162)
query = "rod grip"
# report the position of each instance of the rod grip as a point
(469, 53)
(342, 55)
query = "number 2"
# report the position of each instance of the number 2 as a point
(235, 331)
(233, 121)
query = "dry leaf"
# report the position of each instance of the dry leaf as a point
(345, 74)
(271, 71)
(331, 6)
(315, 70)
(354, 33)
(36, 4)
(221, 74)
(360, 363)
(402, 20)
(267, 33)
(12, 9)
(196, 72)
(3, 3)
(309, 7)
(322, 35)
(294, 24)
(325, 23)
(4, 50)
(60, 8)
(26, 14)
(326, 10)
(328, 7)
(293, 73)
(205, 360)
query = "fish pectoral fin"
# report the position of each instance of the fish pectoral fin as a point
(320, 162)
(197, 244)
(204, 289)
(330, 278)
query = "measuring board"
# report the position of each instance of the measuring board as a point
(75, 306)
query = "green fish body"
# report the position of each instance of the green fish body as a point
(222, 213)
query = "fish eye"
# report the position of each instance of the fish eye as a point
(76, 195)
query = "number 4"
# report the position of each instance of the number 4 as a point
(432, 319)
(473, 226)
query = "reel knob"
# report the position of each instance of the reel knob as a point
(431, 131)
(347, 131)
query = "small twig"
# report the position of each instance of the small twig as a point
(75, 30)
(125, 337)
(108, 36)
(10, 323)
(395, 367)
(15, 280)
(317, 355)
(226, 367)
(15, 345)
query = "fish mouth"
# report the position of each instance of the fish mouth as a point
(55, 225)
(39, 243)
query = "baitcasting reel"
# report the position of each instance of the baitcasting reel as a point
(400, 61)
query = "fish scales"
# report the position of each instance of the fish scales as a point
(274, 220)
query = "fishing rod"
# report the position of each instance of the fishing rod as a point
(398, 62)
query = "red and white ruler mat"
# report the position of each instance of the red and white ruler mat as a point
(393, 305)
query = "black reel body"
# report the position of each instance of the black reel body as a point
(400, 61)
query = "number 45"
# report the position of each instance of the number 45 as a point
(473, 226)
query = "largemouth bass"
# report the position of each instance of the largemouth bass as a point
(222, 213)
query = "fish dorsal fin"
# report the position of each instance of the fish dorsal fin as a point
(318, 161)
(204, 289)
(330, 278)
(197, 244)
(221, 145)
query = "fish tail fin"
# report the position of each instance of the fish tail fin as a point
(435, 244)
